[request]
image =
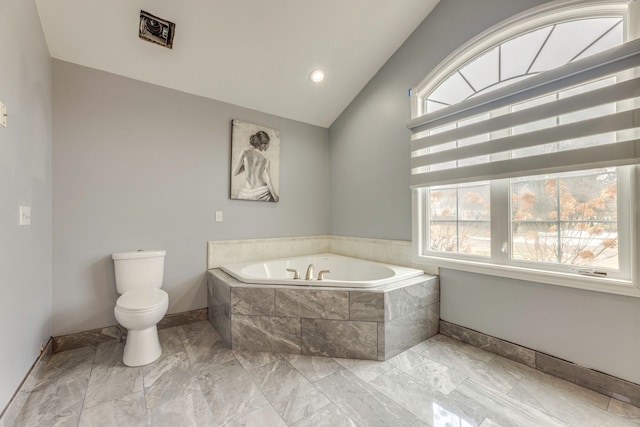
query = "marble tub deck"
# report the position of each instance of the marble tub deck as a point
(357, 323)
(198, 381)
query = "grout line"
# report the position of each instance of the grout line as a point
(86, 391)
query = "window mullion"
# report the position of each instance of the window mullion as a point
(500, 204)
(627, 183)
(500, 220)
(559, 225)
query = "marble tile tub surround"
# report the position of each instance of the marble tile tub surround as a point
(605, 384)
(397, 252)
(373, 324)
(198, 381)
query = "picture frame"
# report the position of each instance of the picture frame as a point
(255, 162)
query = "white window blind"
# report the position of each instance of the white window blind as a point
(582, 115)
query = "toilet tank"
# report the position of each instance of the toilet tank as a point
(141, 269)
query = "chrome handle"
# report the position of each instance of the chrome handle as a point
(321, 274)
(296, 275)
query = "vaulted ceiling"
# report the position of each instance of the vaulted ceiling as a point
(253, 53)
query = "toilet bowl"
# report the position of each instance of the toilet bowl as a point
(139, 312)
(142, 304)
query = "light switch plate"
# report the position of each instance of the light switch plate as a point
(25, 215)
(218, 216)
(3, 114)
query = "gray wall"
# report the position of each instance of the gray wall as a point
(25, 179)
(370, 197)
(140, 166)
(370, 194)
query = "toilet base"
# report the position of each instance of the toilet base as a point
(142, 347)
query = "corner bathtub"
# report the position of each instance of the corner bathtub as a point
(345, 272)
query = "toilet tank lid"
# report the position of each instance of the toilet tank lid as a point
(140, 253)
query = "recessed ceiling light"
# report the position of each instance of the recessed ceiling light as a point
(316, 76)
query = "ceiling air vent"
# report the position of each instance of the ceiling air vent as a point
(156, 30)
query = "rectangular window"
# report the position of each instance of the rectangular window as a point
(460, 219)
(568, 219)
(572, 223)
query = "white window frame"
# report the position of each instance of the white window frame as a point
(500, 264)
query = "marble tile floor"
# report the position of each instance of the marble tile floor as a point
(199, 382)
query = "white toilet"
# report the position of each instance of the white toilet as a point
(142, 304)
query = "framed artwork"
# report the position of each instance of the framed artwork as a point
(255, 162)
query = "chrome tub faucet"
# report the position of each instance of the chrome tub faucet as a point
(309, 275)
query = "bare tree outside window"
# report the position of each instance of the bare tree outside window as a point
(568, 219)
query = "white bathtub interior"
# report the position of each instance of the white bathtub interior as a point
(344, 271)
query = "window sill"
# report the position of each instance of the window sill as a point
(590, 283)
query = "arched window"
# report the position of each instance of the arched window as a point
(527, 55)
(519, 141)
